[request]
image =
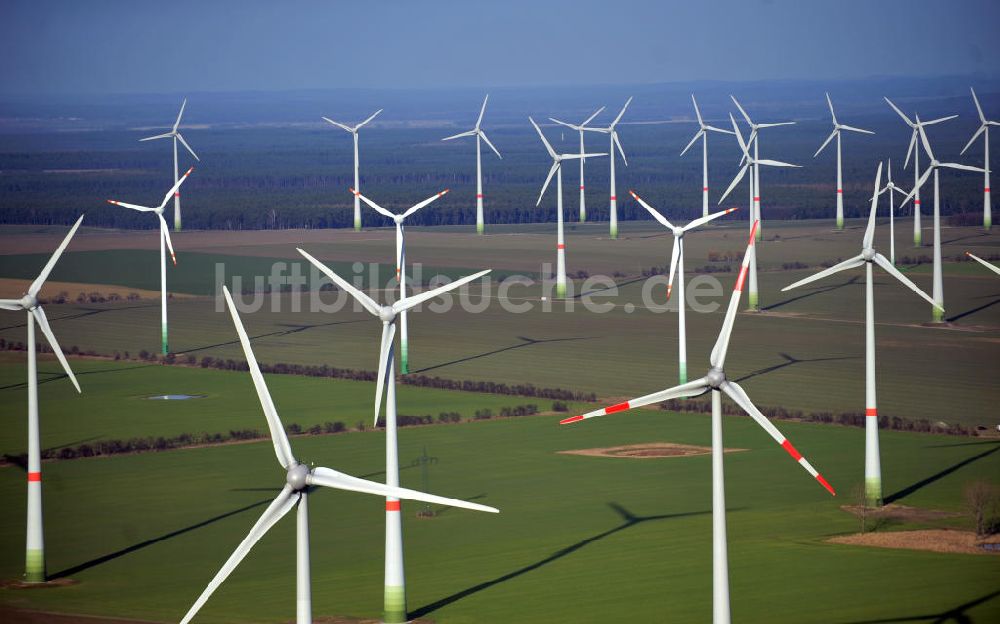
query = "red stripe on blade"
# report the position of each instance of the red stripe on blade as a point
(791, 450)
(571, 419)
(824, 483)
(871, 411)
(392, 505)
(620, 407)
(34, 476)
(741, 279)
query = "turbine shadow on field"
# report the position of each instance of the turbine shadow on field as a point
(87, 312)
(616, 286)
(956, 614)
(789, 360)
(62, 375)
(966, 237)
(527, 342)
(817, 291)
(155, 540)
(294, 329)
(628, 520)
(972, 311)
(931, 479)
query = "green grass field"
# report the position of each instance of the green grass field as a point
(579, 538)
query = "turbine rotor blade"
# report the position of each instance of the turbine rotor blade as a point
(415, 300)
(180, 137)
(701, 122)
(367, 302)
(656, 213)
(712, 217)
(132, 206)
(910, 149)
(281, 505)
(936, 121)
(988, 265)
(620, 114)
(718, 356)
(850, 263)
(43, 323)
(737, 394)
(826, 142)
(548, 178)
(384, 357)
(961, 167)
(282, 449)
(743, 112)
(487, 139)
(591, 118)
(548, 147)
(697, 135)
(482, 111)
(830, 104)
(690, 389)
(618, 144)
(379, 209)
(899, 112)
(165, 135)
(736, 180)
(165, 233)
(870, 230)
(339, 125)
(975, 136)
(327, 477)
(176, 187)
(893, 271)
(37, 284)
(459, 135)
(179, 115)
(774, 163)
(10, 304)
(370, 117)
(979, 109)
(853, 129)
(427, 201)
(674, 252)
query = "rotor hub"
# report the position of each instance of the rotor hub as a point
(386, 314)
(398, 219)
(715, 377)
(296, 477)
(29, 302)
(868, 254)
(678, 232)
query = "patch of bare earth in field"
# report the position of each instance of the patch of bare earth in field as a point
(932, 540)
(649, 450)
(902, 513)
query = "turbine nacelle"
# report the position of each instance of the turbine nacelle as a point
(715, 377)
(29, 302)
(868, 254)
(298, 477)
(386, 314)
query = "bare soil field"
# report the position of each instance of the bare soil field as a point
(933, 540)
(650, 450)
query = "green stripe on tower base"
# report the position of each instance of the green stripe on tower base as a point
(561, 290)
(34, 566)
(683, 372)
(163, 340)
(404, 359)
(754, 300)
(479, 228)
(873, 491)
(937, 315)
(395, 605)
(840, 223)
(917, 241)
(614, 231)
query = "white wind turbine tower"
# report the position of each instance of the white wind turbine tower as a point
(986, 264)
(357, 180)
(34, 556)
(869, 257)
(837, 128)
(556, 169)
(395, 586)
(164, 239)
(937, 312)
(703, 130)
(755, 215)
(299, 480)
(715, 380)
(889, 188)
(176, 136)
(611, 130)
(913, 150)
(748, 162)
(480, 135)
(398, 219)
(984, 129)
(580, 128)
(677, 265)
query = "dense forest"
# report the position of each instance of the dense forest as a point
(274, 175)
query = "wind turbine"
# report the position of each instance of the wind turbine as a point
(677, 265)
(889, 188)
(755, 215)
(611, 130)
(395, 586)
(984, 129)
(868, 257)
(34, 556)
(715, 380)
(164, 238)
(748, 162)
(837, 128)
(986, 264)
(556, 169)
(398, 219)
(357, 181)
(176, 136)
(580, 128)
(703, 130)
(937, 312)
(299, 480)
(913, 151)
(480, 135)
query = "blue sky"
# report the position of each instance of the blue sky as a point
(142, 46)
